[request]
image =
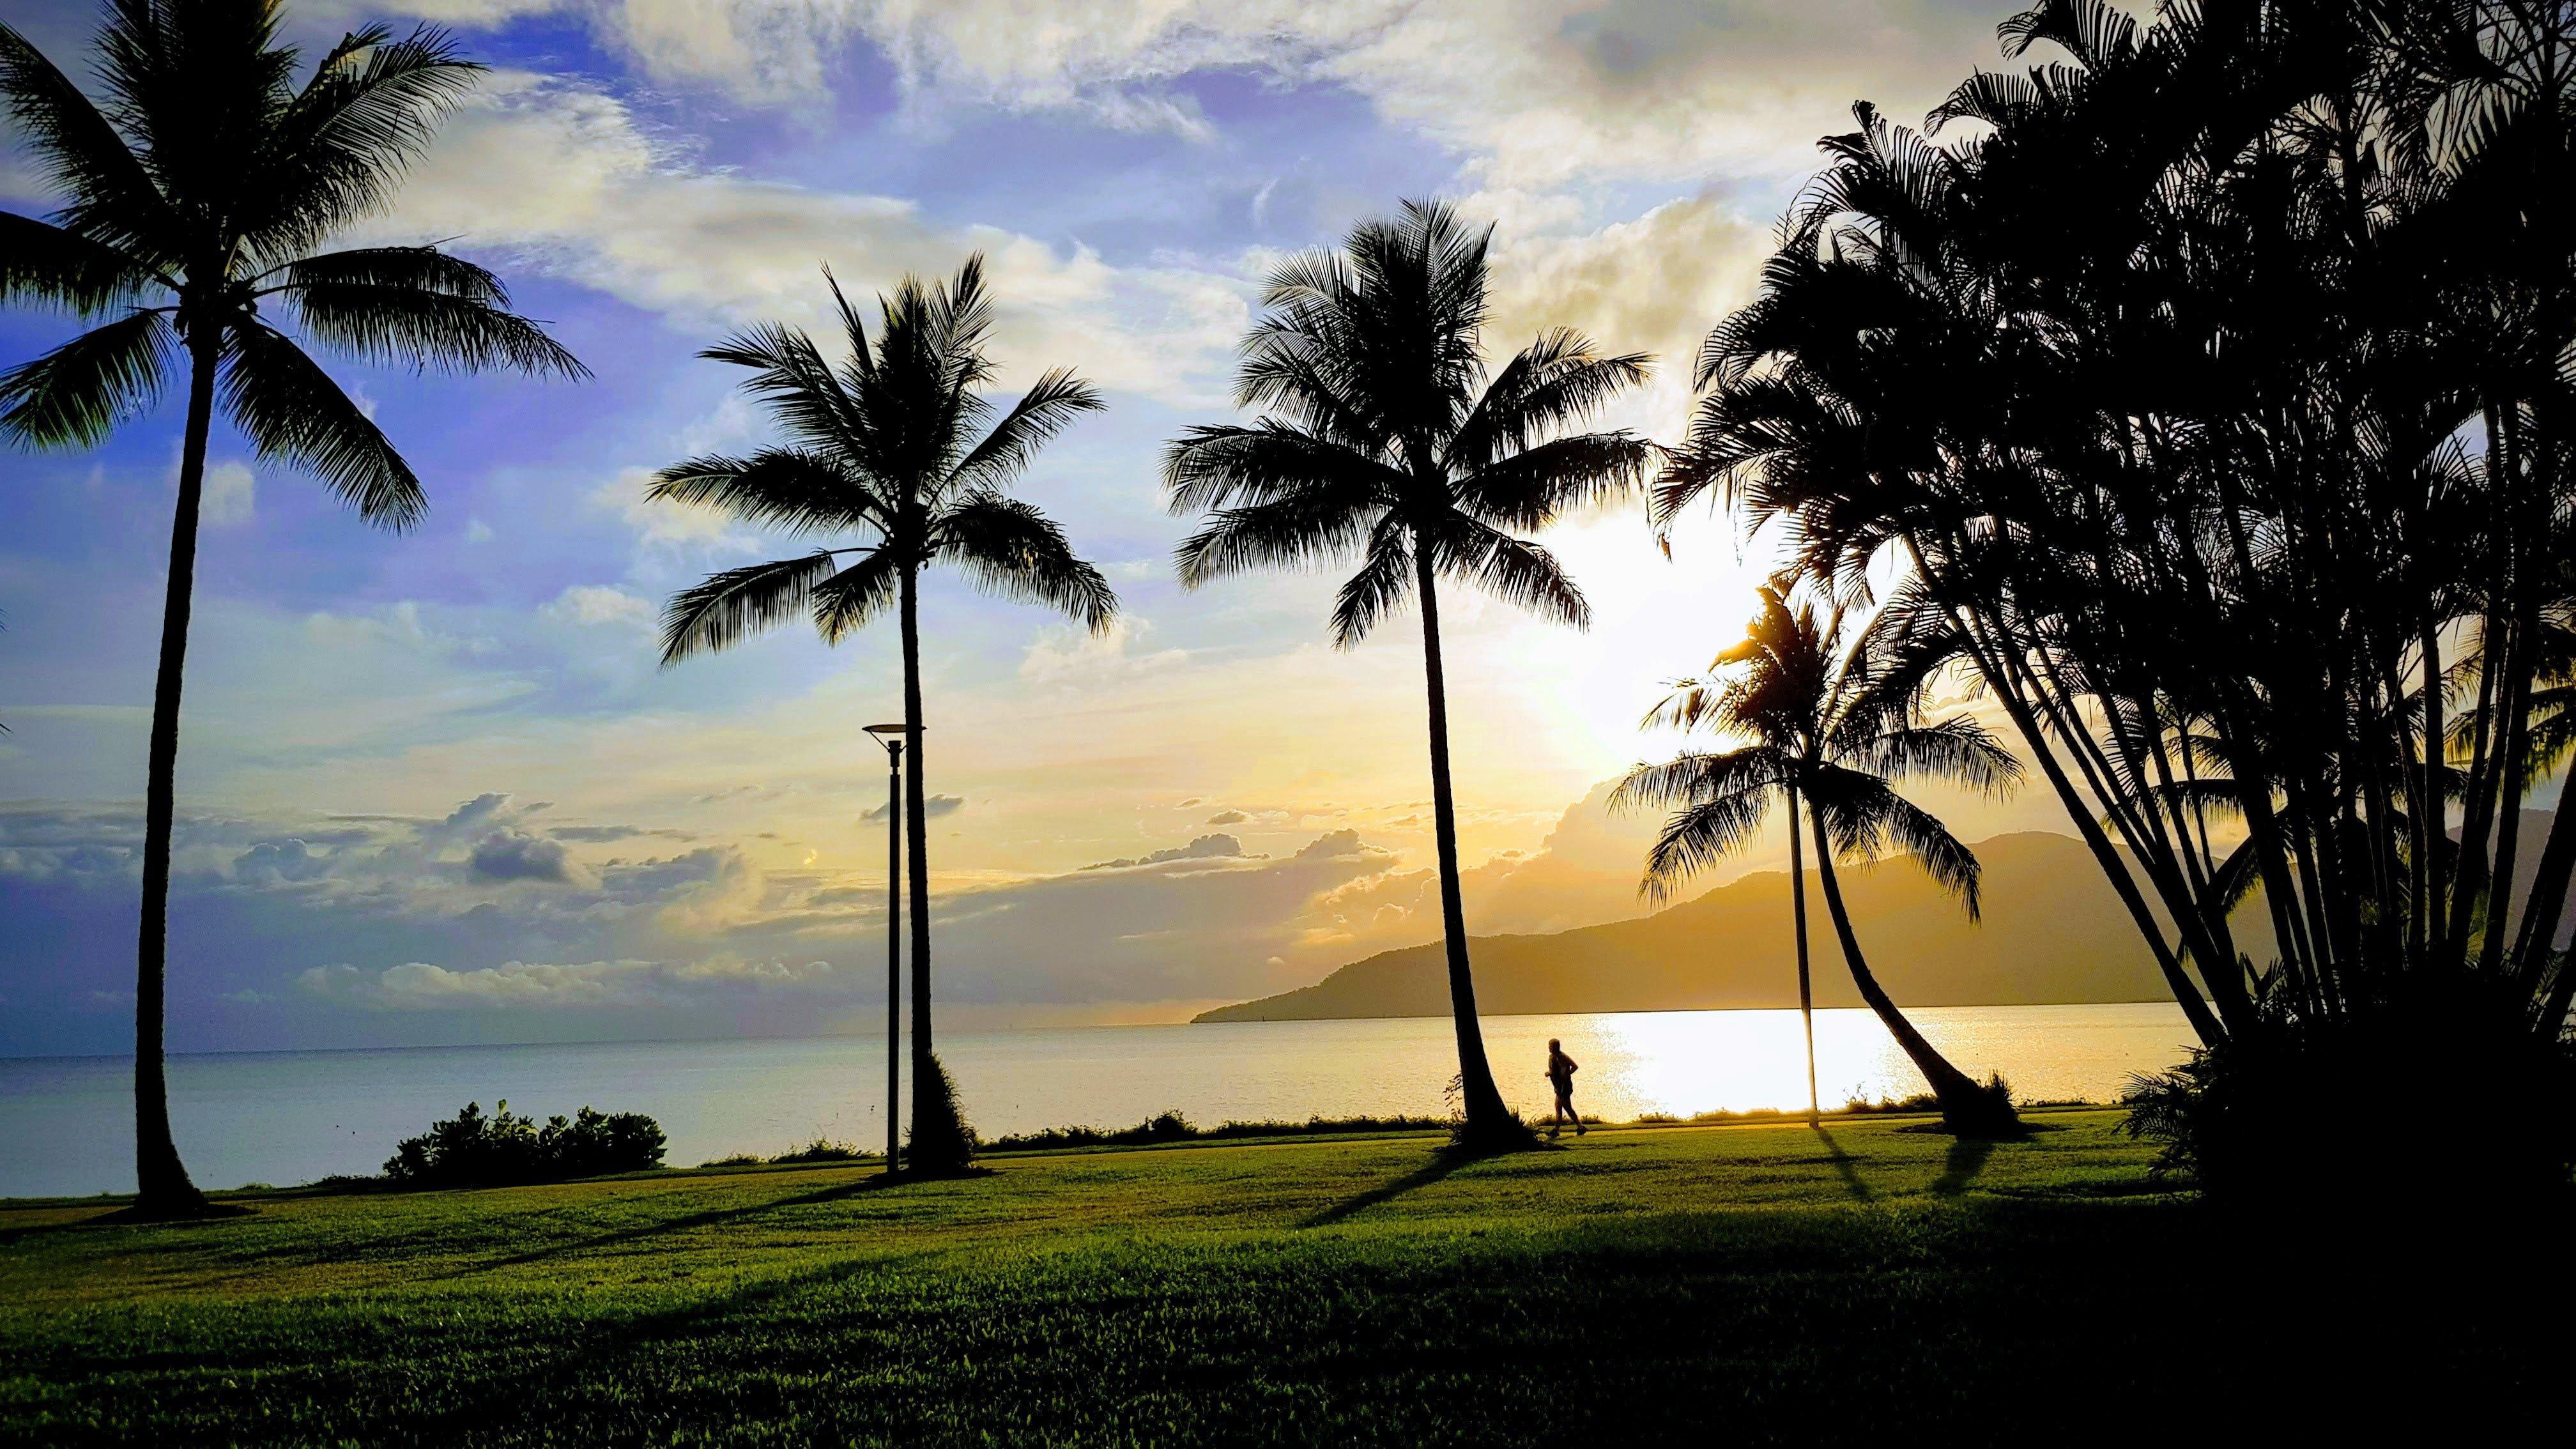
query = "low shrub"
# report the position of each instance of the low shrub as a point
(2465, 1105)
(1167, 1127)
(824, 1150)
(472, 1150)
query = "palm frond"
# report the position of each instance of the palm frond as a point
(291, 411)
(1697, 775)
(1555, 382)
(737, 603)
(1533, 488)
(791, 377)
(1011, 548)
(395, 326)
(46, 266)
(337, 150)
(1957, 749)
(1513, 570)
(849, 600)
(417, 268)
(1298, 530)
(1386, 574)
(1043, 411)
(75, 395)
(110, 196)
(793, 490)
(1228, 466)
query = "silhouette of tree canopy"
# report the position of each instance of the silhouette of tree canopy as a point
(1383, 433)
(195, 199)
(896, 446)
(2207, 390)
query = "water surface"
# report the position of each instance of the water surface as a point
(286, 1117)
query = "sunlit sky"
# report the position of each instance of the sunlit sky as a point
(433, 786)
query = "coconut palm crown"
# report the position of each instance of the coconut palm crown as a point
(1382, 433)
(198, 191)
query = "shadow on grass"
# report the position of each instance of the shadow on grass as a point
(712, 1217)
(1441, 1165)
(1842, 1162)
(1967, 1158)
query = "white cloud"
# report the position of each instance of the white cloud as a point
(568, 178)
(230, 495)
(1535, 93)
(594, 604)
(1072, 655)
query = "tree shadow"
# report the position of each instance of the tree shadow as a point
(710, 1218)
(1842, 1162)
(605, 1343)
(1967, 1158)
(1441, 1165)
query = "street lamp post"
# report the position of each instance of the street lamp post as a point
(892, 737)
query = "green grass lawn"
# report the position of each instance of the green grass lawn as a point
(1775, 1283)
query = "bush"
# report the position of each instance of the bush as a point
(472, 1150)
(823, 1150)
(2435, 1092)
(1167, 1127)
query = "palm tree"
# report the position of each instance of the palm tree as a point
(1831, 727)
(886, 446)
(1383, 436)
(196, 199)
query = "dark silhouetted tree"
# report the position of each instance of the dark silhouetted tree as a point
(1383, 434)
(1829, 724)
(895, 445)
(196, 195)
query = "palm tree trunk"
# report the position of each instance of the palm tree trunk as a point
(162, 1188)
(938, 1137)
(1798, 915)
(1489, 1122)
(1965, 1106)
(2540, 912)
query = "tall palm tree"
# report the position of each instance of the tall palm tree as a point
(887, 446)
(1830, 725)
(195, 201)
(1383, 435)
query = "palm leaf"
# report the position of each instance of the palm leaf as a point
(291, 411)
(75, 395)
(731, 606)
(1010, 548)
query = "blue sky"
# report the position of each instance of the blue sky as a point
(433, 787)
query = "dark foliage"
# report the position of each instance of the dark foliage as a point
(942, 1142)
(824, 1150)
(1165, 1127)
(2486, 1126)
(472, 1150)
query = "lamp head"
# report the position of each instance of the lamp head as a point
(888, 731)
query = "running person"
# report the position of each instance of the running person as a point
(1560, 1073)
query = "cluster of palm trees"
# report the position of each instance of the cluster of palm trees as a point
(2201, 400)
(2210, 395)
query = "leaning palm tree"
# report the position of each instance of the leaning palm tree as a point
(1829, 726)
(196, 199)
(1383, 436)
(886, 446)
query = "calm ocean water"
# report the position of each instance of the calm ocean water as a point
(289, 1117)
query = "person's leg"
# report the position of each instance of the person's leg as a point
(1570, 1112)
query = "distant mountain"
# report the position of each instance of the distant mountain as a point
(2052, 931)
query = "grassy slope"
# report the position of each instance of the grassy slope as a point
(1746, 1283)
